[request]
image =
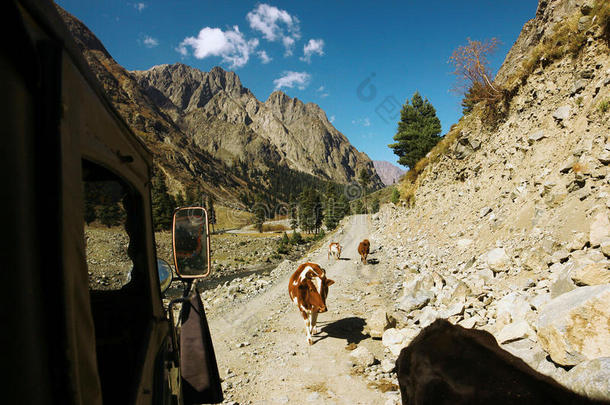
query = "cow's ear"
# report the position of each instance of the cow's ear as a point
(329, 282)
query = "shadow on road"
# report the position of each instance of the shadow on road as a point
(349, 329)
(345, 258)
(373, 261)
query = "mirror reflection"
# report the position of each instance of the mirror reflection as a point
(190, 237)
(165, 274)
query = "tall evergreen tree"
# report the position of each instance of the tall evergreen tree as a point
(294, 219)
(162, 203)
(364, 179)
(260, 213)
(110, 214)
(418, 131)
(343, 206)
(211, 212)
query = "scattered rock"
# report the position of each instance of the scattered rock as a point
(591, 274)
(387, 365)
(378, 322)
(497, 260)
(590, 378)
(362, 356)
(599, 229)
(536, 136)
(574, 326)
(562, 113)
(515, 331)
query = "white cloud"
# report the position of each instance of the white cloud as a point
(275, 24)
(365, 122)
(150, 42)
(230, 45)
(264, 57)
(332, 119)
(139, 6)
(322, 93)
(314, 46)
(292, 79)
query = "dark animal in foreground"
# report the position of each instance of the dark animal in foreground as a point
(448, 364)
(308, 289)
(363, 249)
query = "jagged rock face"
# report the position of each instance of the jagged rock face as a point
(225, 119)
(175, 155)
(388, 172)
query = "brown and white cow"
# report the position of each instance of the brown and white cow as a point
(334, 250)
(308, 288)
(363, 249)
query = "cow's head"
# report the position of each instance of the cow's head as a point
(314, 289)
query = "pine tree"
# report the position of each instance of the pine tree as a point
(332, 211)
(211, 212)
(358, 207)
(418, 131)
(294, 219)
(180, 201)
(395, 196)
(259, 212)
(343, 206)
(364, 179)
(110, 214)
(375, 205)
(162, 203)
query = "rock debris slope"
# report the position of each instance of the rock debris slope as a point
(510, 229)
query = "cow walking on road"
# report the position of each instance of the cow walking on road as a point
(334, 250)
(308, 289)
(363, 250)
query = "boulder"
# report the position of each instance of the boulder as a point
(515, 331)
(578, 242)
(590, 378)
(562, 113)
(497, 260)
(396, 339)
(536, 136)
(574, 327)
(591, 274)
(387, 365)
(605, 247)
(378, 322)
(599, 229)
(361, 356)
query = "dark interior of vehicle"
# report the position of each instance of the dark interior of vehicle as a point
(121, 316)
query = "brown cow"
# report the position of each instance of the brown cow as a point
(448, 364)
(334, 250)
(363, 249)
(308, 288)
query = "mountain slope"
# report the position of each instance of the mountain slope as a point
(510, 223)
(181, 161)
(388, 172)
(225, 119)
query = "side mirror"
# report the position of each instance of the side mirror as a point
(191, 242)
(165, 275)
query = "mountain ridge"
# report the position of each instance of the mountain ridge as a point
(281, 128)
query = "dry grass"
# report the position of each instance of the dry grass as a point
(579, 168)
(603, 106)
(229, 218)
(275, 228)
(317, 387)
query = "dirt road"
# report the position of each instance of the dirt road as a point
(261, 349)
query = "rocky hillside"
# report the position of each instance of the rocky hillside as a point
(226, 120)
(388, 172)
(183, 163)
(509, 228)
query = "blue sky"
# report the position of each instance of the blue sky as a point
(358, 60)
